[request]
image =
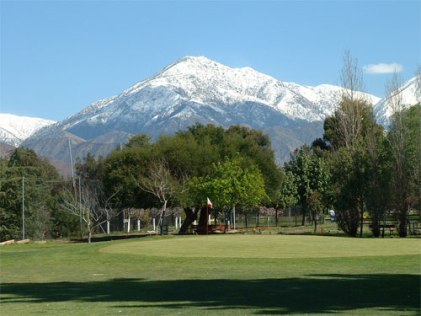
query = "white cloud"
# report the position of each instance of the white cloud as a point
(375, 69)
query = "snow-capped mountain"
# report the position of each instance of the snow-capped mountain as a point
(15, 129)
(407, 95)
(197, 90)
(203, 82)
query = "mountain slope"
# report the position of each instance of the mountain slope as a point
(15, 129)
(407, 95)
(198, 90)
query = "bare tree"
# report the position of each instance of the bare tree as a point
(351, 78)
(90, 207)
(349, 115)
(160, 183)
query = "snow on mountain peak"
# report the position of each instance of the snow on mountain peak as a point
(203, 81)
(15, 129)
(407, 95)
(208, 82)
(98, 105)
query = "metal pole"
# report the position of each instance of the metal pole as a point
(233, 219)
(23, 207)
(80, 209)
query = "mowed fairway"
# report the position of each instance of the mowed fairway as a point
(268, 246)
(213, 275)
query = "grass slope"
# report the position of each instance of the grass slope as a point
(222, 275)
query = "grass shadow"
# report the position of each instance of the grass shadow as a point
(310, 294)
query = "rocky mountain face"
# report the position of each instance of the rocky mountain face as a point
(6, 150)
(195, 90)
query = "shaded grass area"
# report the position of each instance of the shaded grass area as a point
(81, 279)
(309, 294)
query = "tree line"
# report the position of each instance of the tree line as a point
(372, 172)
(357, 168)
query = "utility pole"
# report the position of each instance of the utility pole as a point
(72, 171)
(23, 208)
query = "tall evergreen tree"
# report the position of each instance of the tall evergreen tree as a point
(28, 187)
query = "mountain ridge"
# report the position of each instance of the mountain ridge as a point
(209, 83)
(190, 91)
(409, 93)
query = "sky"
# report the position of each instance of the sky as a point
(57, 57)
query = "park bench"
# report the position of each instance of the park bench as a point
(221, 228)
(390, 227)
(212, 229)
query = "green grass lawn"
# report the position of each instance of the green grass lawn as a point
(213, 275)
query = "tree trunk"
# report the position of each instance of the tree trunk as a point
(276, 217)
(375, 221)
(162, 216)
(315, 221)
(303, 221)
(89, 226)
(191, 216)
(203, 220)
(403, 220)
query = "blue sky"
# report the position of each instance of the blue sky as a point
(57, 57)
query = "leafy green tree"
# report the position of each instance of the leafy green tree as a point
(356, 159)
(356, 141)
(231, 184)
(287, 193)
(316, 206)
(256, 147)
(91, 168)
(139, 141)
(412, 119)
(122, 167)
(377, 194)
(188, 154)
(404, 141)
(310, 175)
(350, 185)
